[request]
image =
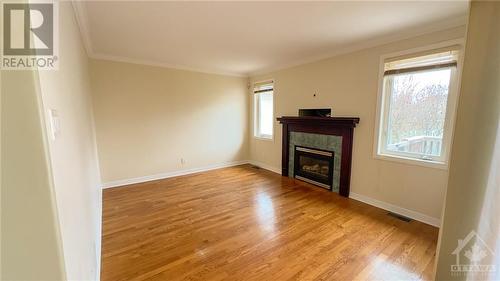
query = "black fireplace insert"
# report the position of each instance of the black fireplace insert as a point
(314, 166)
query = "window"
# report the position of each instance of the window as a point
(417, 107)
(263, 110)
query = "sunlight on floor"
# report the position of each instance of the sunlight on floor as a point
(265, 212)
(382, 268)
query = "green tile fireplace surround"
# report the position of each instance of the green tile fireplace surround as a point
(334, 134)
(318, 141)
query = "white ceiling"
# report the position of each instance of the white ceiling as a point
(245, 38)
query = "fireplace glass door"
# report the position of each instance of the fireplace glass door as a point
(314, 166)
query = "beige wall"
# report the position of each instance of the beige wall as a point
(473, 196)
(349, 84)
(148, 118)
(73, 153)
(31, 246)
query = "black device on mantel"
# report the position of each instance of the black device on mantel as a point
(317, 112)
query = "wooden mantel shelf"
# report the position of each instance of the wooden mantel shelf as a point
(339, 126)
(337, 121)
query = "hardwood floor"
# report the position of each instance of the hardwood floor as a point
(243, 223)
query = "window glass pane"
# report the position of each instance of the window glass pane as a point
(266, 113)
(417, 111)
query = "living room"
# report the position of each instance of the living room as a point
(253, 141)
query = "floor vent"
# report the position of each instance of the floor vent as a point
(399, 217)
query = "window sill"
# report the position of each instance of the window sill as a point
(412, 161)
(263, 138)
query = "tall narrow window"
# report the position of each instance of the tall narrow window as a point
(263, 110)
(416, 111)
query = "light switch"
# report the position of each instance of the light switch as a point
(55, 128)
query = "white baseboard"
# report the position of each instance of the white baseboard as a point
(368, 200)
(171, 174)
(265, 166)
(396, 209)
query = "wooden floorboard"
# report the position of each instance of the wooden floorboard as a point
(243, 223)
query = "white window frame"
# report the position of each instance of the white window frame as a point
(256, 110)
(442, 162)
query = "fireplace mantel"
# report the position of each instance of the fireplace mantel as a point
(338, 126)
(333, 121)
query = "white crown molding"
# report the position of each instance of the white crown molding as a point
(82, 21)
(396, 209)
(124, 182)
(160, 64)
(380, 41)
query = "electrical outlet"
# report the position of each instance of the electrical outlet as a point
(183, 161)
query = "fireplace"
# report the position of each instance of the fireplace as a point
(314, 166)
(330, 134)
